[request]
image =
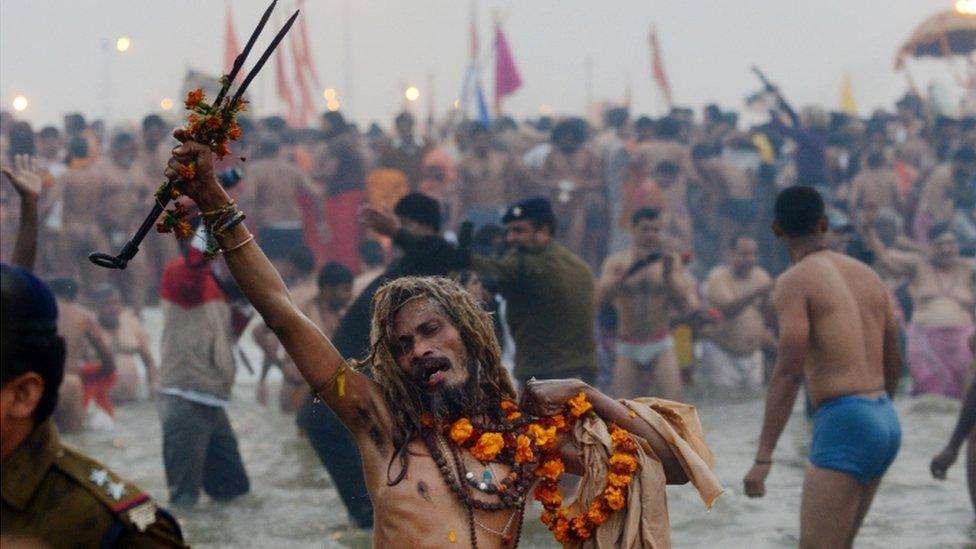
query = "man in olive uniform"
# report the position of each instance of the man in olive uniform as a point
(51, 493)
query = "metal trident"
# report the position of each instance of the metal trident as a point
(131, 248)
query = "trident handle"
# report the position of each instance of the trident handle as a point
(131, 247)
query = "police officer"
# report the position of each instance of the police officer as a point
(51, 493)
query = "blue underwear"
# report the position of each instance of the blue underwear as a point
(856, 435)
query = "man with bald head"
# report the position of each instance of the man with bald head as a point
(739, 291)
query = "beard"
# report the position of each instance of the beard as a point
(447, 402)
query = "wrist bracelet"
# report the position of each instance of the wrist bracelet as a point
(216, 211)
(763, 462)
(339, 378)
(243, 243)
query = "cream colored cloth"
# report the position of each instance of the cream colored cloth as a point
(644, 522)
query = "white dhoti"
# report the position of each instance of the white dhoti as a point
(724, 369)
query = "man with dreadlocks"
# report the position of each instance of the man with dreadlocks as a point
(435, 367)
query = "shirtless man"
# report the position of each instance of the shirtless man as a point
(426, 358)
(943, 291)
(85, 341)
(644, 293)
(733, 353)
(124, 195)
(80, 189)
(938, 189)
(730, 191)
(876, 186)
(666, 146)
(129, 340)
(275, 184)
(485, 183)
(838, 332)
(571, 179)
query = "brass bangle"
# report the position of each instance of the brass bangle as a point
(340, 372)
(216, 211)
(238, 246)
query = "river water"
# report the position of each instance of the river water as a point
(292, 502)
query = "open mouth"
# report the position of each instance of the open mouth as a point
(435, 370)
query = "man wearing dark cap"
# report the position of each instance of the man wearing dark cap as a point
(550, 296)
(52, 493)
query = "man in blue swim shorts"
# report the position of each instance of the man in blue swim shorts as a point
(837, 331)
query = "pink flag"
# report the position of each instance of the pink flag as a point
(232, 47)
(507, 79)
(657, 68)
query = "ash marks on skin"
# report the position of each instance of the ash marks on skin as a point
(424, 491)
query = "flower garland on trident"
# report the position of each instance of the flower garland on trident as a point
(215, 125)
(530, 447)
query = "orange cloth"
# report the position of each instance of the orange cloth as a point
(384, 187)
(96, 387)
(644, 521)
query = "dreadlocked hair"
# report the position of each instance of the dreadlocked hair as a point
(475, 327)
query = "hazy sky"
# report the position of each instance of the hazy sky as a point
(52, 51)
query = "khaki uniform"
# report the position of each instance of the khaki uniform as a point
(55, 494)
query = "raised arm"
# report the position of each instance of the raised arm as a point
(313, 354)
(681, 287)
(790, 300)
(720, 296)
(99, 341)
(26, 179)
(899, 262)
(609, 283)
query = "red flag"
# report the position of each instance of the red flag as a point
(657, 68)
(306, 108)
(284, 88)
(507, 79)
(306, 52)
(231, 47)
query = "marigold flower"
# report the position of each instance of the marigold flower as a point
(558, 421)
(618, 480)
(597, 514)
(183, 229)
(581, 527)
(548, 495)
(223, 149)
(234, 131)
(512, 416)
(628, 446)
(561, 531)
(543, 436)
(213, 122)
(550, 469)
(461, 431)
(508, 405)
(194, 98)
(578, 405)
(162, 227)
(523, 449)
(614, 497)
(622, 463)
(488, 446)
(618, 435)
(187, 172)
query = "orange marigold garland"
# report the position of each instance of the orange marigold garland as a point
(528, 442)
(214, 125)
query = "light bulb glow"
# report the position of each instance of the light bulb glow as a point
(20, 103)
(329, 94)
(412, 93)
(123, 43)
(332, 105)
(966, 7)
(166, 104)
